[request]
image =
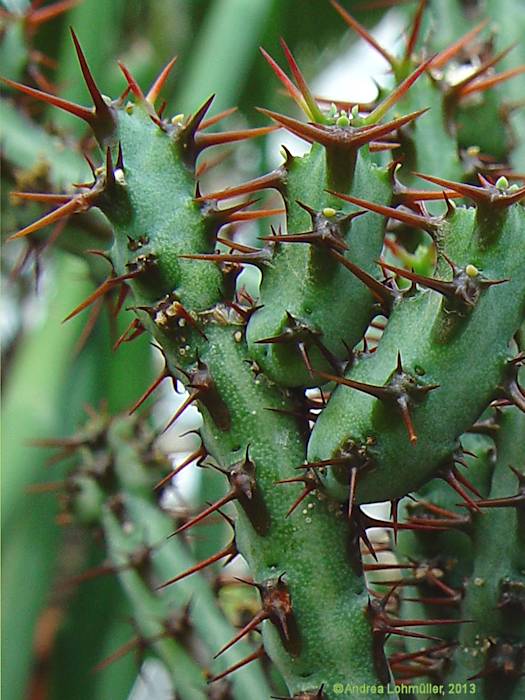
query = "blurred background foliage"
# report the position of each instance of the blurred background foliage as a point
(53, 635)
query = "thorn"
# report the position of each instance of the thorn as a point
(447, 54)
(285, 80)
(134, 330)
(132, 83)
(203, 141)
(339, 137)
(211, 121)
(193, 396)
(255, 215)
(36, 17)
(455, 480)
(482, 85)
(88, 328)
(312, 108)
(194, 123)
(230, 496)
(414, 34)
(405, 656)
(482, 195)
(102, 111)
(254, 622)
(229, 551)
(196, 455)
(103, 289)
(380, 146)
(44, 198)
(385, 296)
(134, 643)
(409, 218)
(310, 482)
(156, 383)
(158, 84)
(397, 94)
(74, 206)
(364, 34)
(261, 258)
(76, 110)
(257, 654)
(458, 87)
(273, 180)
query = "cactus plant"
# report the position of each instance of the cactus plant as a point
(378, 356)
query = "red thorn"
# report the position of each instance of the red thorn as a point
(133, 85)
(410, 196)
(254, 215)
(310, 484)
(197, 455)
(134, 330)
(384, 295)
(158, 84)
(405, 656)
(257, 654)
(37, 17)
(101, 108)
(285, 80)
(229, 551)
(447, 54)
(74, 206)
(397, 94)
(118, 654)
(408, 218)
(414, 34)
(88, 328)
(103, 289)
(481, 195)
(415, 635)
(205, 123)
(233, 245)
(262, 615)
(363, 33)
(494, 80)
(156, 383)
(458, 87)
(312, 107)
(230, 496)
(452, 479)
(203, 141)
(194, 123)
(184, 405)
(380, 146)
(339, 137)
(425, 622)
(44, 198)
(272, 180)
(76, 110)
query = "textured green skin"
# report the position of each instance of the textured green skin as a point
(453, 548)
(416, 329)
(499, 546)
(303, 279)
(158, 200)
